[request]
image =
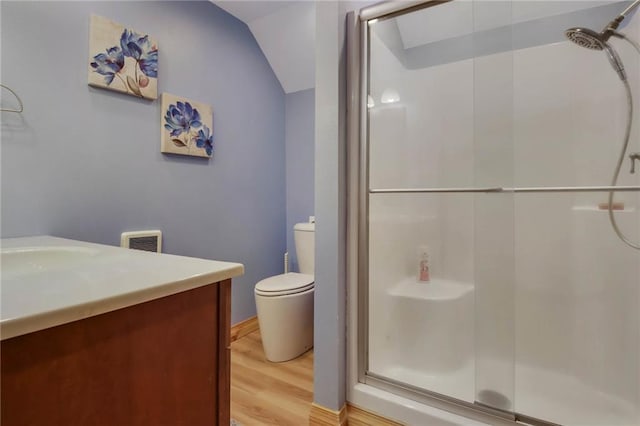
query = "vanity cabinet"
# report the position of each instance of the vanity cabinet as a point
(162, 362)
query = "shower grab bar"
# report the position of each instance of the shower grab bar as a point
(507, 190)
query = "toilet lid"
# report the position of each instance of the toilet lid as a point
(283, 284)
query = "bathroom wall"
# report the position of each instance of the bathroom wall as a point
(329, 388)
(299, 131)
(85, 163)
(330, 366)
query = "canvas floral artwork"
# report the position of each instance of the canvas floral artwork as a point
(122, 59)
(187, 127)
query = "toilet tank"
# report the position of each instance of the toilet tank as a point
(303, 235)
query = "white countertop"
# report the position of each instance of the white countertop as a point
(48, 281)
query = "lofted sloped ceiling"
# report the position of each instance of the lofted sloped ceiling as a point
(285, 31)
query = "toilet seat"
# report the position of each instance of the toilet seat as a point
(284, 284)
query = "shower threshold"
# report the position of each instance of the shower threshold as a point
(565, 400)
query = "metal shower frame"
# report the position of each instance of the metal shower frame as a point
(357, 126)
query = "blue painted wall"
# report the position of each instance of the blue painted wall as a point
(300, 118)
(329, 380)
(85, 163)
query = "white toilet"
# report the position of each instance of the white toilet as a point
(285, 303)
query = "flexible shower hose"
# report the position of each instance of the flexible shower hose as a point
(625, 146)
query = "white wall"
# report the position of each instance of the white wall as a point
(577, 285)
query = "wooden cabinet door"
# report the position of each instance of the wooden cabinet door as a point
(163, 362)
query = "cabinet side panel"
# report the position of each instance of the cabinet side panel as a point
(224, 357)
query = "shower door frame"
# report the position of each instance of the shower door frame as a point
(357, 130)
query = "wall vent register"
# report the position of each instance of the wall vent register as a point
(142, 240)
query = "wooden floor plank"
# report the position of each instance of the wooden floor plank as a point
(266, 393)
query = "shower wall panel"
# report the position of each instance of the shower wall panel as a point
(577, 285)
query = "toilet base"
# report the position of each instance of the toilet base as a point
(286, 325)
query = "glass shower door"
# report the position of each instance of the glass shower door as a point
(494, 211)
(495, 280)
(440, 252)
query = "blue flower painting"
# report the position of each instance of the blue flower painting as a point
(181, 118)
(122, 59)
(186, 127)
(204, 139)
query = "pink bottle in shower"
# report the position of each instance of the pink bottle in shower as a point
(423, 274)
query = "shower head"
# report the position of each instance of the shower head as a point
(590, 39)
(585, 37)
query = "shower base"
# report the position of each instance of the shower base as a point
(540, 393)
(456, 384)
(566, 400)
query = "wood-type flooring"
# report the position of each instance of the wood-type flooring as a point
(266, 393)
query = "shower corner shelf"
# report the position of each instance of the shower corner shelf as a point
(435, 290)
(20, 107)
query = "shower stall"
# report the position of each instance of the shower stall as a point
(489, 280)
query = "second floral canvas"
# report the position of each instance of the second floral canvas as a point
(187, 127)
(122, 59)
